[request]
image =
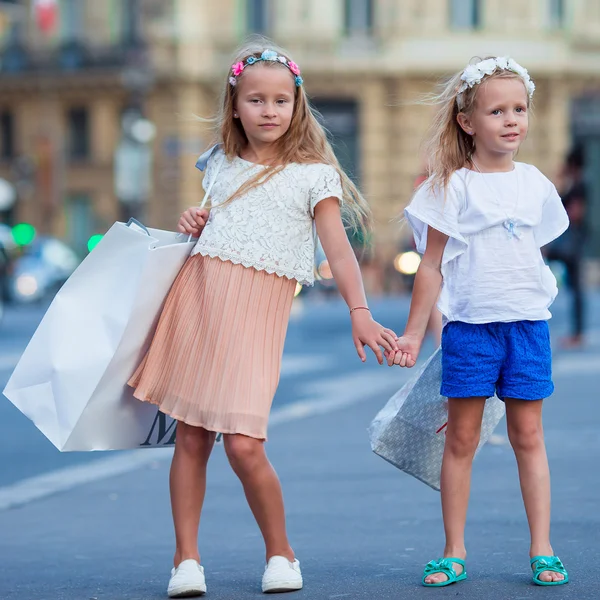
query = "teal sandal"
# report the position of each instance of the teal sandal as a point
(444, 565)
(539, 564)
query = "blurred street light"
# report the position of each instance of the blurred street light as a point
(8, 195)
(23, 234)
(407, 263)
(94, 241)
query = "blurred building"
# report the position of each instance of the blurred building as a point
(97, 98)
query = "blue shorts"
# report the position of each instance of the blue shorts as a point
(513, 360)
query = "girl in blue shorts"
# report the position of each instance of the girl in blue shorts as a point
(480, 220)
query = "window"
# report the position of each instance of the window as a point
(130, 34)
(80, 222)
(340, 118)
(358, 17)
(71, 20)
(78, 134)
(556, 13)
(465, 14)
(257, 16)
(7, 135)
(14, 57)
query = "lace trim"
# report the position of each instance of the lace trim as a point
(302, 279)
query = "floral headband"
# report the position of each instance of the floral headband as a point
(267, 55)
(474, 74)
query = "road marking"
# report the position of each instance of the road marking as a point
(9, 360)
(291, 365)
(340, 392)
(323, 397)
(576, 364)
(60, 480)
(328, 396)
(299, 364)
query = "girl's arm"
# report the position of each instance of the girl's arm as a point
(346, 272)
(426, 289)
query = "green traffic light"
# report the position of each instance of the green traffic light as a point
(93, 241)
(23, 234)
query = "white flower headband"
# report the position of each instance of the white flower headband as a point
(474, 74)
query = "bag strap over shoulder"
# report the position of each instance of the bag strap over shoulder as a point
(201, 164)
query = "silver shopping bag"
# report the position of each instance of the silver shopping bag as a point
(409, 431)
(71, 381)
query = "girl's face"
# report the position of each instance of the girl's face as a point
(500, 119)
(265, 103)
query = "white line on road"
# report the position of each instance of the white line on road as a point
(576, 364)
(324, 396)
(299, 364)
(9, 360)
(40, 486)
(330, 395)
(291, 365)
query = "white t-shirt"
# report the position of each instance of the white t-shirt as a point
(488, 274)
(270, 227)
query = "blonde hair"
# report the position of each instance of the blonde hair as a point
(304, 142)
(447, 146)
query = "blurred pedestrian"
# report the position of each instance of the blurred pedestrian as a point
(569, 247)
(215, 359)
(481, 220)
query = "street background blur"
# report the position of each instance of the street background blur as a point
(98, 100)
(98, 106)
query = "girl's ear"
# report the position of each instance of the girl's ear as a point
(465, 123)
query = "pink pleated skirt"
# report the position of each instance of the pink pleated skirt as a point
(215, 359)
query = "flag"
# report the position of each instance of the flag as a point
(46, 14)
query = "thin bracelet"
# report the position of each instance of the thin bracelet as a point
(359, 308)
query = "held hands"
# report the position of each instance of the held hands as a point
(192, 221)
(407, 353)
(367, 332)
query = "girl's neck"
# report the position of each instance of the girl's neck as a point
(487, 163)
(260, 154)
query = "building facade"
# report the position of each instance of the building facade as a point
(72, 93)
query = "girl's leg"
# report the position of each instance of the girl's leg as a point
(462, 437)
(193, 446)
(263, 491)
(526, 435)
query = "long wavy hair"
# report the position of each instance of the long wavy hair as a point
(304, 142)
(447, 146)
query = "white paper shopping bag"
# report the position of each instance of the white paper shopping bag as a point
(409, 431)
(72, 378)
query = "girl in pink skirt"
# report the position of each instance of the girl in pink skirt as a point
(215, 359)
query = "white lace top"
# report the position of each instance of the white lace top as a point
(492, 267)
(269, 228)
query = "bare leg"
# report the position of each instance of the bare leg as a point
(526, 435)
(462, 438)
(263, 491)
(193, 446)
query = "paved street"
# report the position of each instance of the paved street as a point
(361, 529)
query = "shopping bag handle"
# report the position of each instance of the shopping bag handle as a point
(210, 185)
(135, 224)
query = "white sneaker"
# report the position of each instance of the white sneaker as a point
(281, 575)
(187, 580)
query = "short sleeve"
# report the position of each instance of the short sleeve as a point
(440, 210)
(554, 220)
(327, 183)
